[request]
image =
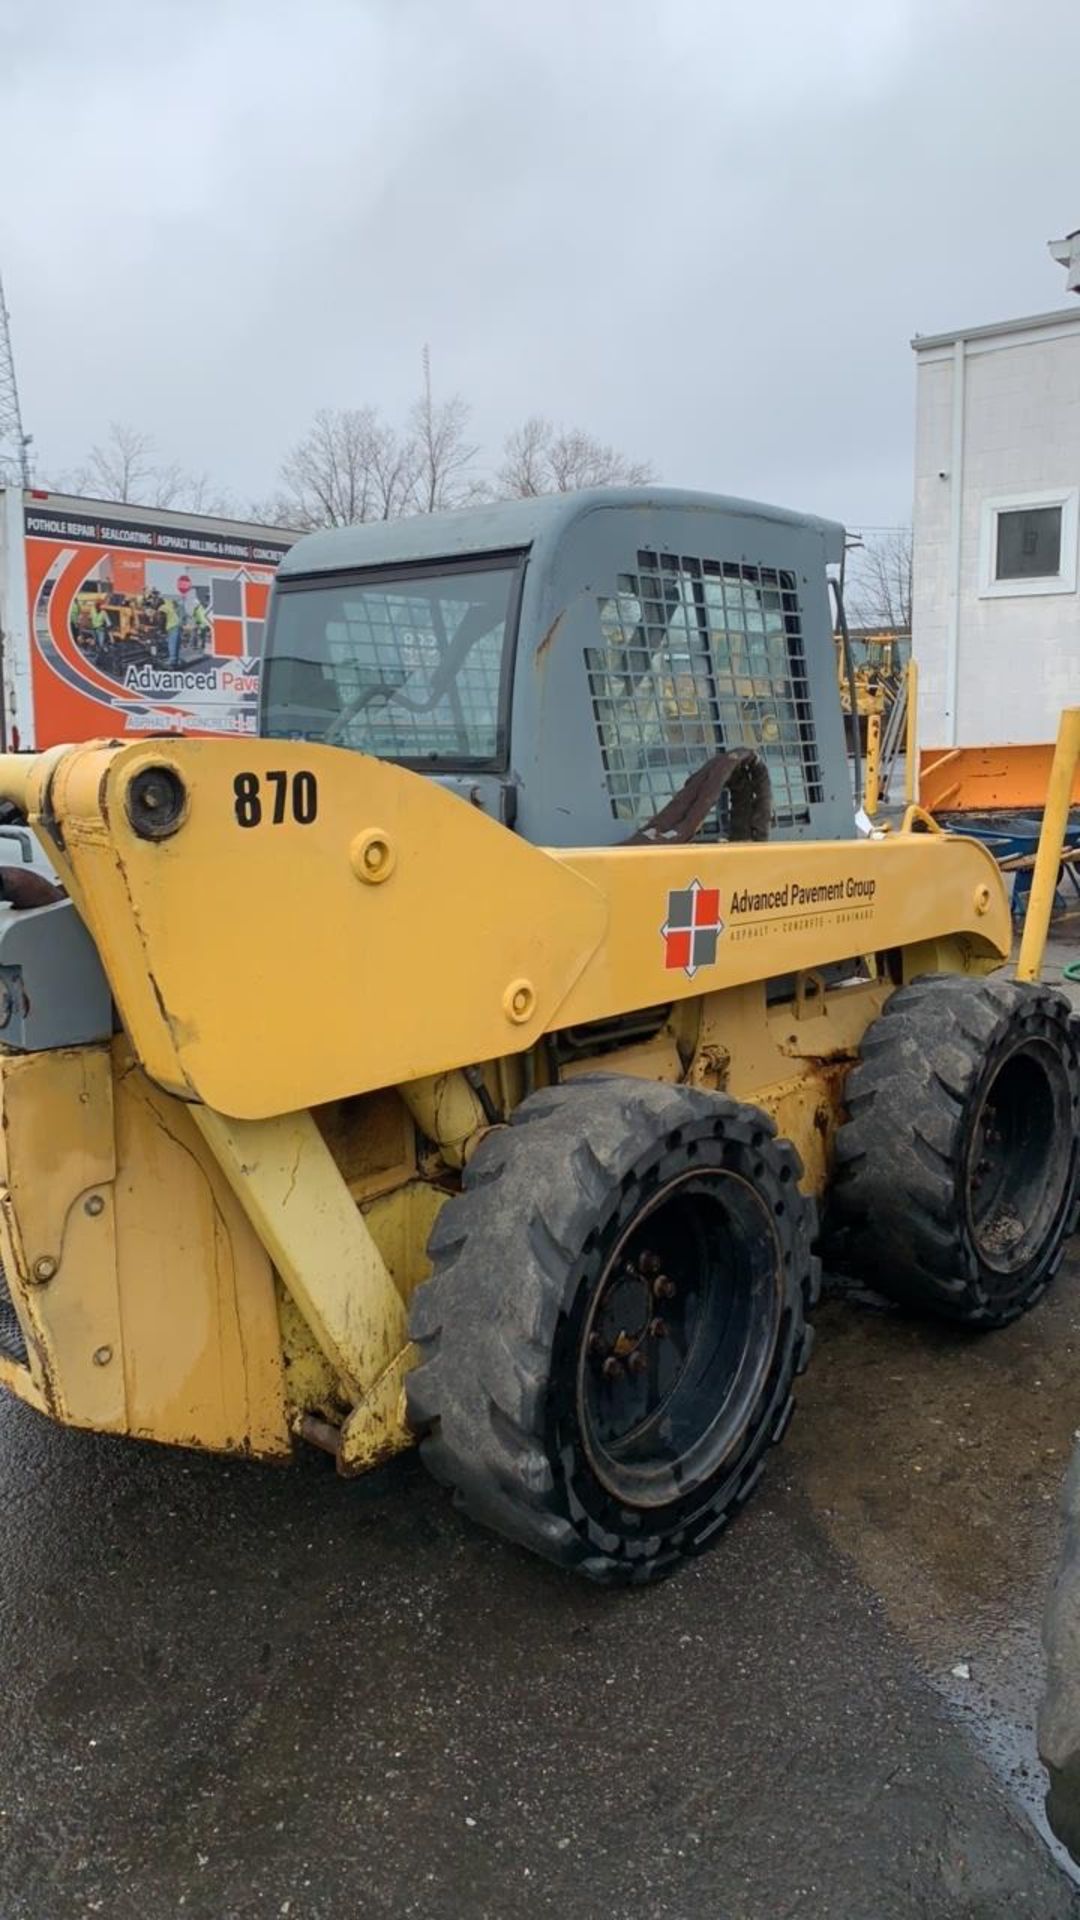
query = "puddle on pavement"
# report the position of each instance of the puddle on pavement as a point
(935, 1461)
(996, 1708)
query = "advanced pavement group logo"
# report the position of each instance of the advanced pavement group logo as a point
(692, 928)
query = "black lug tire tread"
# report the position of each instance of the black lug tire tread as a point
(895, 1218)
(504, 1254)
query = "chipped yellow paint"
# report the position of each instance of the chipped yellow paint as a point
(20, 1381)
(377, 1428)
(283, 1174)
(158, 1316)
(202, 1340)
(788, 1058)
(311, 1385)
(400, 1224)
(59, 1153)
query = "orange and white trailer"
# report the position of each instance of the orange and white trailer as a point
(118, 621)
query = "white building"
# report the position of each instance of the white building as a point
(996, 616)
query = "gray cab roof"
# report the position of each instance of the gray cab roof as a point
(509, 525)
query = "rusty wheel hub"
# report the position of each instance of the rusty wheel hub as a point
(629, 1316)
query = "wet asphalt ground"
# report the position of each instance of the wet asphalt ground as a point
(232, 1691)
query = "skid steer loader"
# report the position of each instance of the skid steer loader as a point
(464, 1059)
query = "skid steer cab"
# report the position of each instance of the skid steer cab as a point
(466, 1059)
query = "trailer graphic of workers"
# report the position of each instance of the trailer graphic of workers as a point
(165, 621)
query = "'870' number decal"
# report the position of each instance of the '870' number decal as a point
(296, 799)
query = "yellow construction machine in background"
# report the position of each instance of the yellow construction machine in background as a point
(878, 683)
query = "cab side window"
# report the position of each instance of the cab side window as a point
(695, 657)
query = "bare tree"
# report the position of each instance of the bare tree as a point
(199, 493)
(540, 458)
(353, 465)
(273, 510)
(524, 470)
(124, 467)
(326, 475)
(879, 577)
(395, 471)
(350, 466)
(441, 450)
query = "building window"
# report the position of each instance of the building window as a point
(696, 656)
(1028, 544)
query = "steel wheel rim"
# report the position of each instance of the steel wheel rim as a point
(703, 1259)
(1024, 1110)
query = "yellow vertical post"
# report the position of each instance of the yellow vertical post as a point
(1051, 844)
(911, 733)
(873, 763)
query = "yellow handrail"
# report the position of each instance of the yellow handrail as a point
(1051, 846)
(911, 735)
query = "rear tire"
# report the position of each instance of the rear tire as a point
(614, 1321)
(956, 1173)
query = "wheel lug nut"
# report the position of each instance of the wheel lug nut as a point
(637, 1362)
(658, 1328)
(663, 1288)
(649, 1264)
(612, 1368)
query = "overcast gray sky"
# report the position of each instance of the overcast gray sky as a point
(705, 231)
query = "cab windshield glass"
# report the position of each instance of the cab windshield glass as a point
(409, 666)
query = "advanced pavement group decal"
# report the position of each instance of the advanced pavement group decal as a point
(694, 922)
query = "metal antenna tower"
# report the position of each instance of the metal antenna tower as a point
(14, 443)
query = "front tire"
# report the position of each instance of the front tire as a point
(956, 1173)
(614, 1321)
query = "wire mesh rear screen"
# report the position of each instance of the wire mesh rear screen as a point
(696, 657)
